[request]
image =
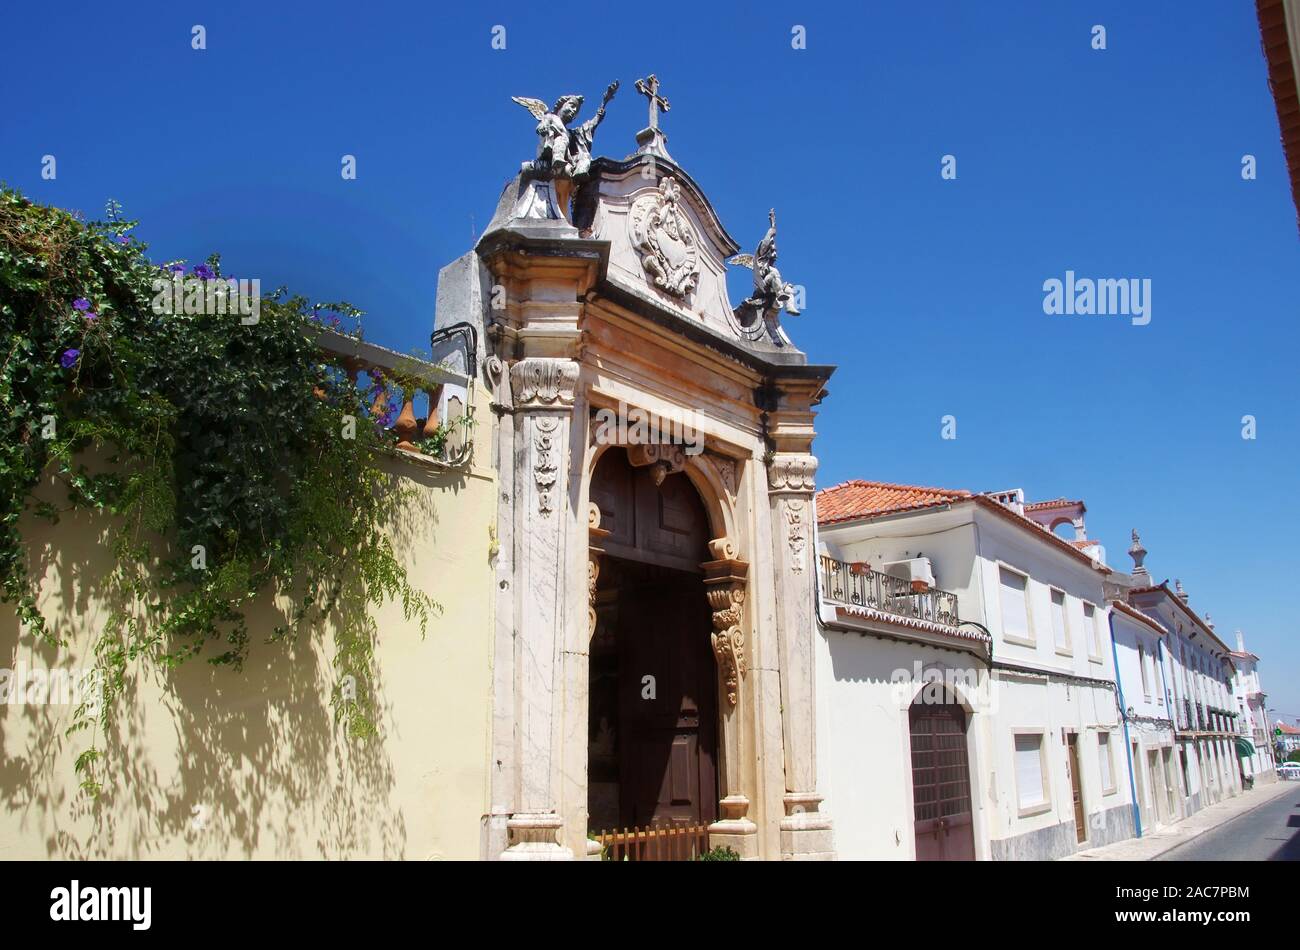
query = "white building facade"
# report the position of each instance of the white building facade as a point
(1015, 704)
(1252, 725)
(1197, 683)
(1149, 748)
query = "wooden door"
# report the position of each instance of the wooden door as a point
(941, 803)
(1076, 788)
(1158, 797)
(667, 704)
(1144, 810)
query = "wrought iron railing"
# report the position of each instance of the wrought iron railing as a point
(855, 585)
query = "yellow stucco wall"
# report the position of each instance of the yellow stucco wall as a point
(216, 763)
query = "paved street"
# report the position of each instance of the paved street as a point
(1269, 833)
(1252, 826)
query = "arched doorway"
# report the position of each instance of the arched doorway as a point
(653, 693)
(941, 801)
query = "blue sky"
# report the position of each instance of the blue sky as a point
(926, 293)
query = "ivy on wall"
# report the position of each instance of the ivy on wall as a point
(232, 458)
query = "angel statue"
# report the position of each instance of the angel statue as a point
(771, 294)
(564, 154)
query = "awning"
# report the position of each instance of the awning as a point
(1245, 748)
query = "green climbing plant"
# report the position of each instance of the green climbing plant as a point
(231, 457)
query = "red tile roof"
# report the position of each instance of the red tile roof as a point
(1085, 543)
(850, 501)
(1282, 81)
(862, 500)
(1181, 605)
(914, 623)
(1288, 730)
(1054, 503)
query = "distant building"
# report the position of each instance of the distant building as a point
(1196, 671)
(1256, 751)
(1152, 759)
(1287, 738)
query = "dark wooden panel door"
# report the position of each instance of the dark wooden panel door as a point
(1076, 788)
(668, 704)
(941, 804)
(649, 523)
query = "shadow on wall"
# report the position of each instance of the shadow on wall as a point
(204, 761)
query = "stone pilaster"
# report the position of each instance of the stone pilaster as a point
(805, 830)
(725, 581)
(544, 390)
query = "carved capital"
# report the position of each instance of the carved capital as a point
(544, 382)
(725, 580)
(792, 473)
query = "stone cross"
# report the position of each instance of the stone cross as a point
(649, 87)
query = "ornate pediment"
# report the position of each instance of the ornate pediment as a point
(668, 252)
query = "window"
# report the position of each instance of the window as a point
(1059, 630)
(1031, 782)
(1142, 662)
(1093, 630)
(1015, 613)
(1107, 763)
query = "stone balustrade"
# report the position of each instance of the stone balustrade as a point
(442, 433)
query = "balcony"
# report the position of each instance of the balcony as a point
(854, 585)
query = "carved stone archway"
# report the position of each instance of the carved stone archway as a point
(726, 580)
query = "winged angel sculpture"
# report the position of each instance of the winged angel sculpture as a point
(564, 154)
(771, 294)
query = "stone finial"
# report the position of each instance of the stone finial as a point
(1209, 623)
(1178, 589)
(1138, 553)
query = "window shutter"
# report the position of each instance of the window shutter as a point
(1029, 770)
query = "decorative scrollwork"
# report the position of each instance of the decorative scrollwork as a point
(725, 582)
(797, 535)
(666, 458)
(728, 603)
(545, 467)
(665, 240)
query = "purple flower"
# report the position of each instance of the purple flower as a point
(70, 357)
(203, 271)
(177, 268)
(82, 304)
(91, 315)
(123, 239)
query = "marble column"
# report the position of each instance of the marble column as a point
(805, 830)
(544, 390)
